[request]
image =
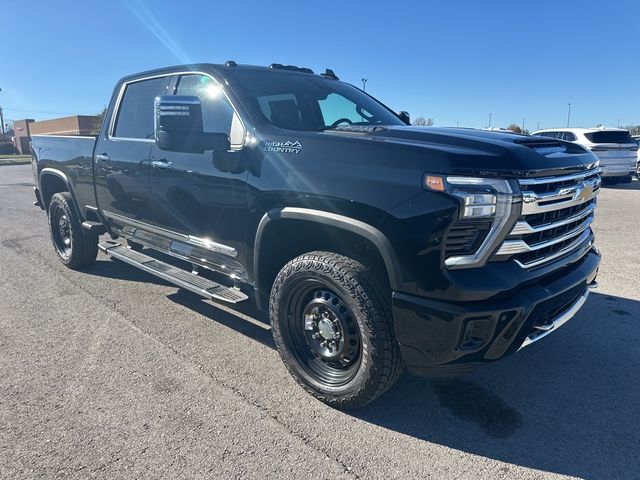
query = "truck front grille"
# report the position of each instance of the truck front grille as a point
(557, 213)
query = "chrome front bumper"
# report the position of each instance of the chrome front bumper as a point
(542, 331)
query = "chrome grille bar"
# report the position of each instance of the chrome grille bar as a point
(573, 246)
(509, 247)
(557, 213)
(564, 197)
(563, 178)
(522, 227)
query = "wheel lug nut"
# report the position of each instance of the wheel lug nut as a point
(315, 336)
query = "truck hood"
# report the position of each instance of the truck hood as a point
(478, 152)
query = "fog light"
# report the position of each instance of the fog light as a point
(475, 333)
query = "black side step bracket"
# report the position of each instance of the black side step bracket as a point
(177, 276)
(95, 227)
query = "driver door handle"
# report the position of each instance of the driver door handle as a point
(162, 164)
(103, 158)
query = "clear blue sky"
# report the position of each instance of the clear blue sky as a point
(455, 61)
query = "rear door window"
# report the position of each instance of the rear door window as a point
(135, 115)
(605, 136)
(548, 134)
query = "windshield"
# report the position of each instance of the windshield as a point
(305, 102)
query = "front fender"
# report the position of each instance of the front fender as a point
(357, 227)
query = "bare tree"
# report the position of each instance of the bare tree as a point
(98, 125)
(633, 129)
(423, 122)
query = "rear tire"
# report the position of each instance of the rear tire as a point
(74, 246)
(331, 321)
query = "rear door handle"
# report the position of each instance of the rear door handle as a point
(163, 164)
(103, 158)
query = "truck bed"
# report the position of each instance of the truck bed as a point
(72, 155)
(63, 149)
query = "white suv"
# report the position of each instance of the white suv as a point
(614, 147)
(637, 140)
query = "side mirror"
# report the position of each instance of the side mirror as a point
(404, 116)
(178, 126)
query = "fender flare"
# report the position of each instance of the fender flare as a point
(368, 232)
(54, 172)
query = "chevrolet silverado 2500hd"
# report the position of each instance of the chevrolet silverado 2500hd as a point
(373, 245)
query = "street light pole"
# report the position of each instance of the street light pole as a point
(568, 114)
(364, 84)
(2, 121)
(490, 115)
(523, 124)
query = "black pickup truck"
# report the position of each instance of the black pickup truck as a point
(373, 245)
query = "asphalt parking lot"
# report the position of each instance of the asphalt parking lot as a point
(111, 373)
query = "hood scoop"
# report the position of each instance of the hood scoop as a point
(544, 148)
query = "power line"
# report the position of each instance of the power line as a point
(39, 111)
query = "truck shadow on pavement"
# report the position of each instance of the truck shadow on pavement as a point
(568, 404)
(257, 328)
(633, 185)
(244, 319)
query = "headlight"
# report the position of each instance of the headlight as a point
(489, 201)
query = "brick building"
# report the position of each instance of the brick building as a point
(73, 125)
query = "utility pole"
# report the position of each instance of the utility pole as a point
(490, 115)
(538, 127)
(523, 124)
(619, 122)
(2, 121)
(364, 84)
(568, 115)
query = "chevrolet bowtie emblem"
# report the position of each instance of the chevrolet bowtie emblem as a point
(584, 192)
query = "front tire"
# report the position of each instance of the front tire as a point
(74, 246)
(331, 322)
